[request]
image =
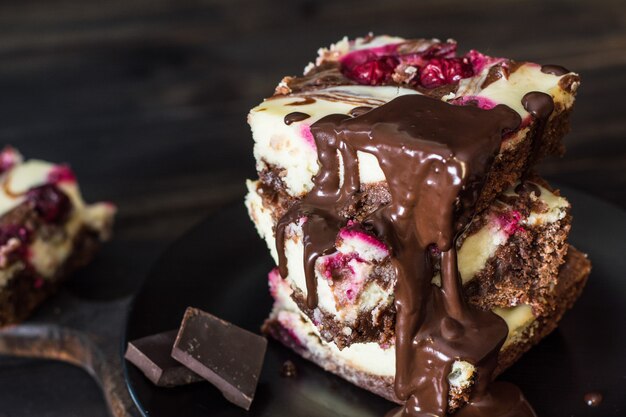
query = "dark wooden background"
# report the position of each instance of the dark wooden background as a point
(147, 100)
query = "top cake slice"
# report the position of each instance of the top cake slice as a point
(352, 77)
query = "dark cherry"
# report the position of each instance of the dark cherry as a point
(51, 204)
(373, 72)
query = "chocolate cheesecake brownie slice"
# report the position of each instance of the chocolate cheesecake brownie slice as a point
(413, 246)
(352, 77)
(46, 231)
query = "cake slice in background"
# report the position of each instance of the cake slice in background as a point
(46, 231)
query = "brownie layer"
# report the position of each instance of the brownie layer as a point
(46, 231)
(571, 280)
(523, 270)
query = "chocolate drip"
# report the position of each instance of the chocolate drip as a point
(320, 208)
(295, 116)
(358, 111)
(435, 158)
(540, 106)
(554, 70)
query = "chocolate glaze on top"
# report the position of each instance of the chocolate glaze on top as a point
(435, 158)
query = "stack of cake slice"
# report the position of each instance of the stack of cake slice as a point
(337, 305)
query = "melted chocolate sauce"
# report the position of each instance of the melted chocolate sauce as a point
(295, 116)
(435, 158)
(554, 70)
(593, 399)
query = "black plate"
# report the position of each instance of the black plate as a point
(221, 265)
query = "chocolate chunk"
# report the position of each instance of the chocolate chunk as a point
(152, 355)
(227, 356)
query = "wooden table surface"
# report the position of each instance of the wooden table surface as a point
(147, 100)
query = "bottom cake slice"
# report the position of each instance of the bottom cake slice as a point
(47, 231)
(294, 329)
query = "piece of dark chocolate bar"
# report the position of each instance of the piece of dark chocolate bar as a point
(227, 356)
(152, 355)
